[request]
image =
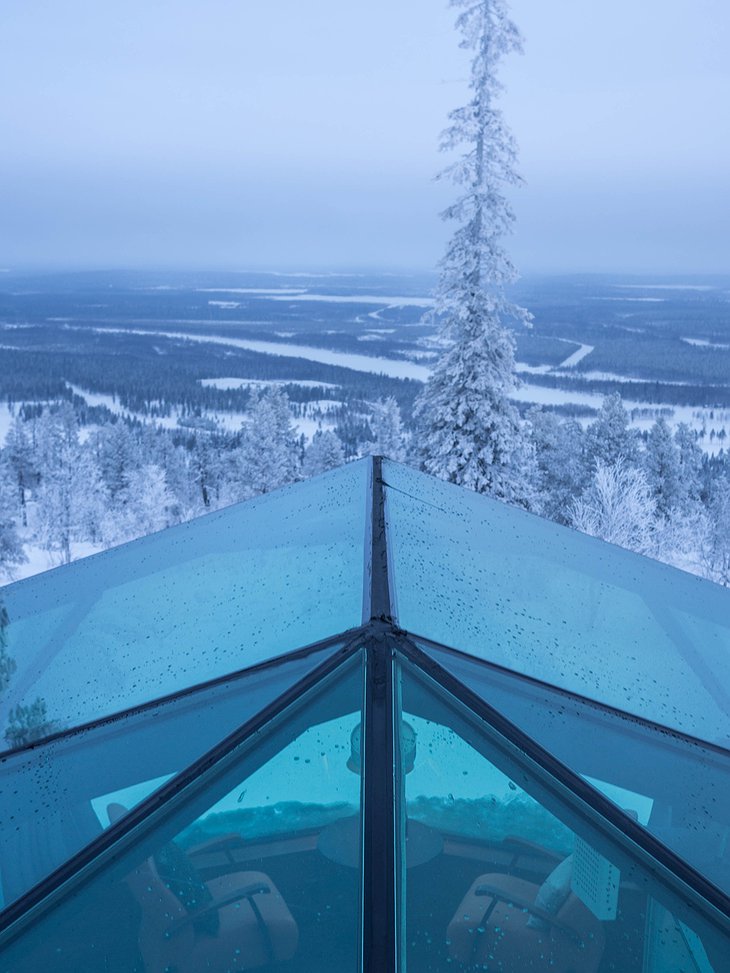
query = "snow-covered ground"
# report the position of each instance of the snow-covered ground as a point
(360, 363)
(111, 403)
(643, 414)
(667, 287)
(649, 300)
(387, 302)
(7, 416)
(577, 356)
(315, 413)
(263, 291)
(42, 560)
(701, 343)
(302, 294)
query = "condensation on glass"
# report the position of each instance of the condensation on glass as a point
(55, 795)
(252, 857)
(520, 591)
(676, 787)
(186, 605)
(254, 865)
(504, 875)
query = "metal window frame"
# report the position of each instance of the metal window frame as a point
(383, 643)
(639, 843)
(43, 896)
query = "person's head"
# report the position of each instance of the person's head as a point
(407, 742)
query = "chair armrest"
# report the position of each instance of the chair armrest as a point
(522, 903)
(235, 895)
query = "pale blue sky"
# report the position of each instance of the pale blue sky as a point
(290, 134)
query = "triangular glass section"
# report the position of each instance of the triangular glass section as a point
(254, 864)
(186, 605)
(554, 604)
(677, 787)
(509, 870)
(55, 794)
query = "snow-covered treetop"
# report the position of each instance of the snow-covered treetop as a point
(487, 165)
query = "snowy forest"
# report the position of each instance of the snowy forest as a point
(76, 479)
(67, 490)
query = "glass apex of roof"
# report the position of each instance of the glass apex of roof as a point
(306, 563)
(450, 647)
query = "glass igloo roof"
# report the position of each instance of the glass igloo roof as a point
(368, 722)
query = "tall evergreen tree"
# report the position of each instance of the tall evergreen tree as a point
(563, 469)
(19, 453)
(324, 453)
(470, 432)
(11, 547)
(661, 464)
(690, 466)
(387, 426)
(716, 545)
(61, 480)
(609, 439)
(269, 454)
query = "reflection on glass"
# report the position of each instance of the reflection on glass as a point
(55, 796)
(507, 883)
(678, 788)
(554, 604)
(254, 866)
(183, 606)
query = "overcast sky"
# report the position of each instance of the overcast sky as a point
(302, 134)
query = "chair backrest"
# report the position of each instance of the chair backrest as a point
(160, 908)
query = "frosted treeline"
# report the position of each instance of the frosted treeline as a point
(68, 490)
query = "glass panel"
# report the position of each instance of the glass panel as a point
(184, 606)
(677, 787)
(253, 866)
(55, 795)
(507, 872)
(552, 603)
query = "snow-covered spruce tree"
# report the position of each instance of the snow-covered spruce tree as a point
(60, 493)
(387, 426)
(269, 453)
(716, 543)
(562, 467)
(469, 431)
(609, 437)
(19, 453)
(11, 547)
(661, 464)
(325, 452)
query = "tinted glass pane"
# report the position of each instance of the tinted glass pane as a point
(508, 873)
(191, 603)
(552, 603)
(254, 865)
(678, 788)
(55, 796)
